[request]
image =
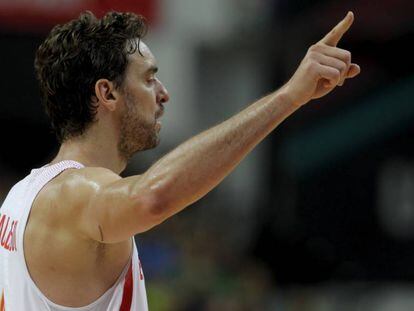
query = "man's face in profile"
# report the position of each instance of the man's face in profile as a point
(143, 97)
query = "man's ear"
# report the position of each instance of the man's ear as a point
(106, 94)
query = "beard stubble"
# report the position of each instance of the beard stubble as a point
(136, 133)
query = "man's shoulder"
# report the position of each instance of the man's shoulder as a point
(95, 177)
(73, 188)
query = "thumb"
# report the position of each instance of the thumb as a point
(353, 71)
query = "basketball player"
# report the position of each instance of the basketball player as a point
(67, 229)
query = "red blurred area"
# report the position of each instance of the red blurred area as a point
(41, 15)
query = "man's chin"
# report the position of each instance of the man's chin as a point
(158, 126)
(151, 144)
(155, 144)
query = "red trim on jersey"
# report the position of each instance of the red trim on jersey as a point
(127, 293)
(2, 302)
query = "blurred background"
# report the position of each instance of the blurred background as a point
(320, 216)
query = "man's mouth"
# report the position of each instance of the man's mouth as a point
(160, 112)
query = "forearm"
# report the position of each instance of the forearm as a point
(195, 167)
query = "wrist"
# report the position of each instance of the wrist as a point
(288, 96)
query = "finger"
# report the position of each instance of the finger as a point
(339, 53)
(334, 52)
(332, 38)
(331, 74)
(335, 63)
(353, 71)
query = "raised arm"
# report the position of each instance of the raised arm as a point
(119, 208)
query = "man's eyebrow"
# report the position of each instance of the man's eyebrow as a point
(152, 69)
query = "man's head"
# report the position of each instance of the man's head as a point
(91, 64)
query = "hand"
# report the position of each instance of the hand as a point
(324, 67)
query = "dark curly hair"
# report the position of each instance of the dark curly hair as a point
(77, 54)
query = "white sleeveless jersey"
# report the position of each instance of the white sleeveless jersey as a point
(18, 292)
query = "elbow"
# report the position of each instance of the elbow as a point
(157, 208)
(154, 208)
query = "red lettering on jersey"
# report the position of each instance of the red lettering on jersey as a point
(3, 227)
(2, 222)
(141, 273)
(14, 237)
(8, 233)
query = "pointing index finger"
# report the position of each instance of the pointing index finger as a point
(332, 38)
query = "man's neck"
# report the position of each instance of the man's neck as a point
(91, 153)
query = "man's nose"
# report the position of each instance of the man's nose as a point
(162, 95)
